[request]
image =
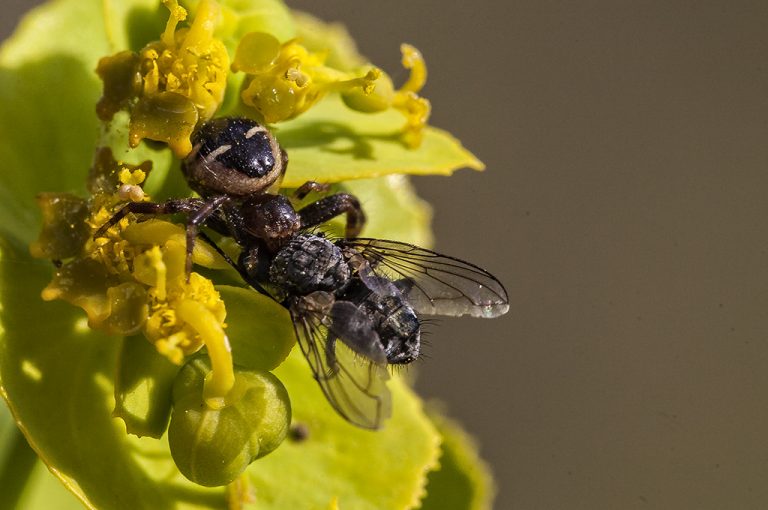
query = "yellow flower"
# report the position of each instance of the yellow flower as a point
(172, 84)
(285, 80)
(131, 278)
(406, 99)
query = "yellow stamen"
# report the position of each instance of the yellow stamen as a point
(221, 379)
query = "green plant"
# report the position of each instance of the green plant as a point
(83, 391)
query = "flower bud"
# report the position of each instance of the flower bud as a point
(212, 447)
(378, 100)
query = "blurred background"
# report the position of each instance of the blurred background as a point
(624, 207)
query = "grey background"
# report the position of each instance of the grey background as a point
(624, 207)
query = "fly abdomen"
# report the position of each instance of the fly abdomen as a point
(400, 333)
(393, 318)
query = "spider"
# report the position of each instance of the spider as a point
(233, 165)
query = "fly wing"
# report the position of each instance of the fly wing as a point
(355, 329)
(433, 284)
(354, 384)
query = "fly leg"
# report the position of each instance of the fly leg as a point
(330, 356)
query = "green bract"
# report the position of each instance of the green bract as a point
(80, 410)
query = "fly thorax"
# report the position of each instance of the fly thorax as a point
(308, 263)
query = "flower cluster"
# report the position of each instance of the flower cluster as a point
(130, 278)
(172, 84)
(285, 80)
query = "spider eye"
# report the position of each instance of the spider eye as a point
(234, 156)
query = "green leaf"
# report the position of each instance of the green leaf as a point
(394, 210)
(44, 492)
(362, 469)
(143, 386)
(331, 143)
(331, 39)
(58, 376)
(464, 481)
(17, 460)
(259, 329)
(7, 432)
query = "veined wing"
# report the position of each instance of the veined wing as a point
(354, 384)
(433, 284)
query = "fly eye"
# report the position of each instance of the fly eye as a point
(234, 156)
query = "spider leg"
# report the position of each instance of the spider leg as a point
(243, 273)
(173, 206)
(332, 206)
(196, 219)
(308, 187)
(197, 210)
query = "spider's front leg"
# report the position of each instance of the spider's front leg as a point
(196, 209)
(197, 218)
(173, 206)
